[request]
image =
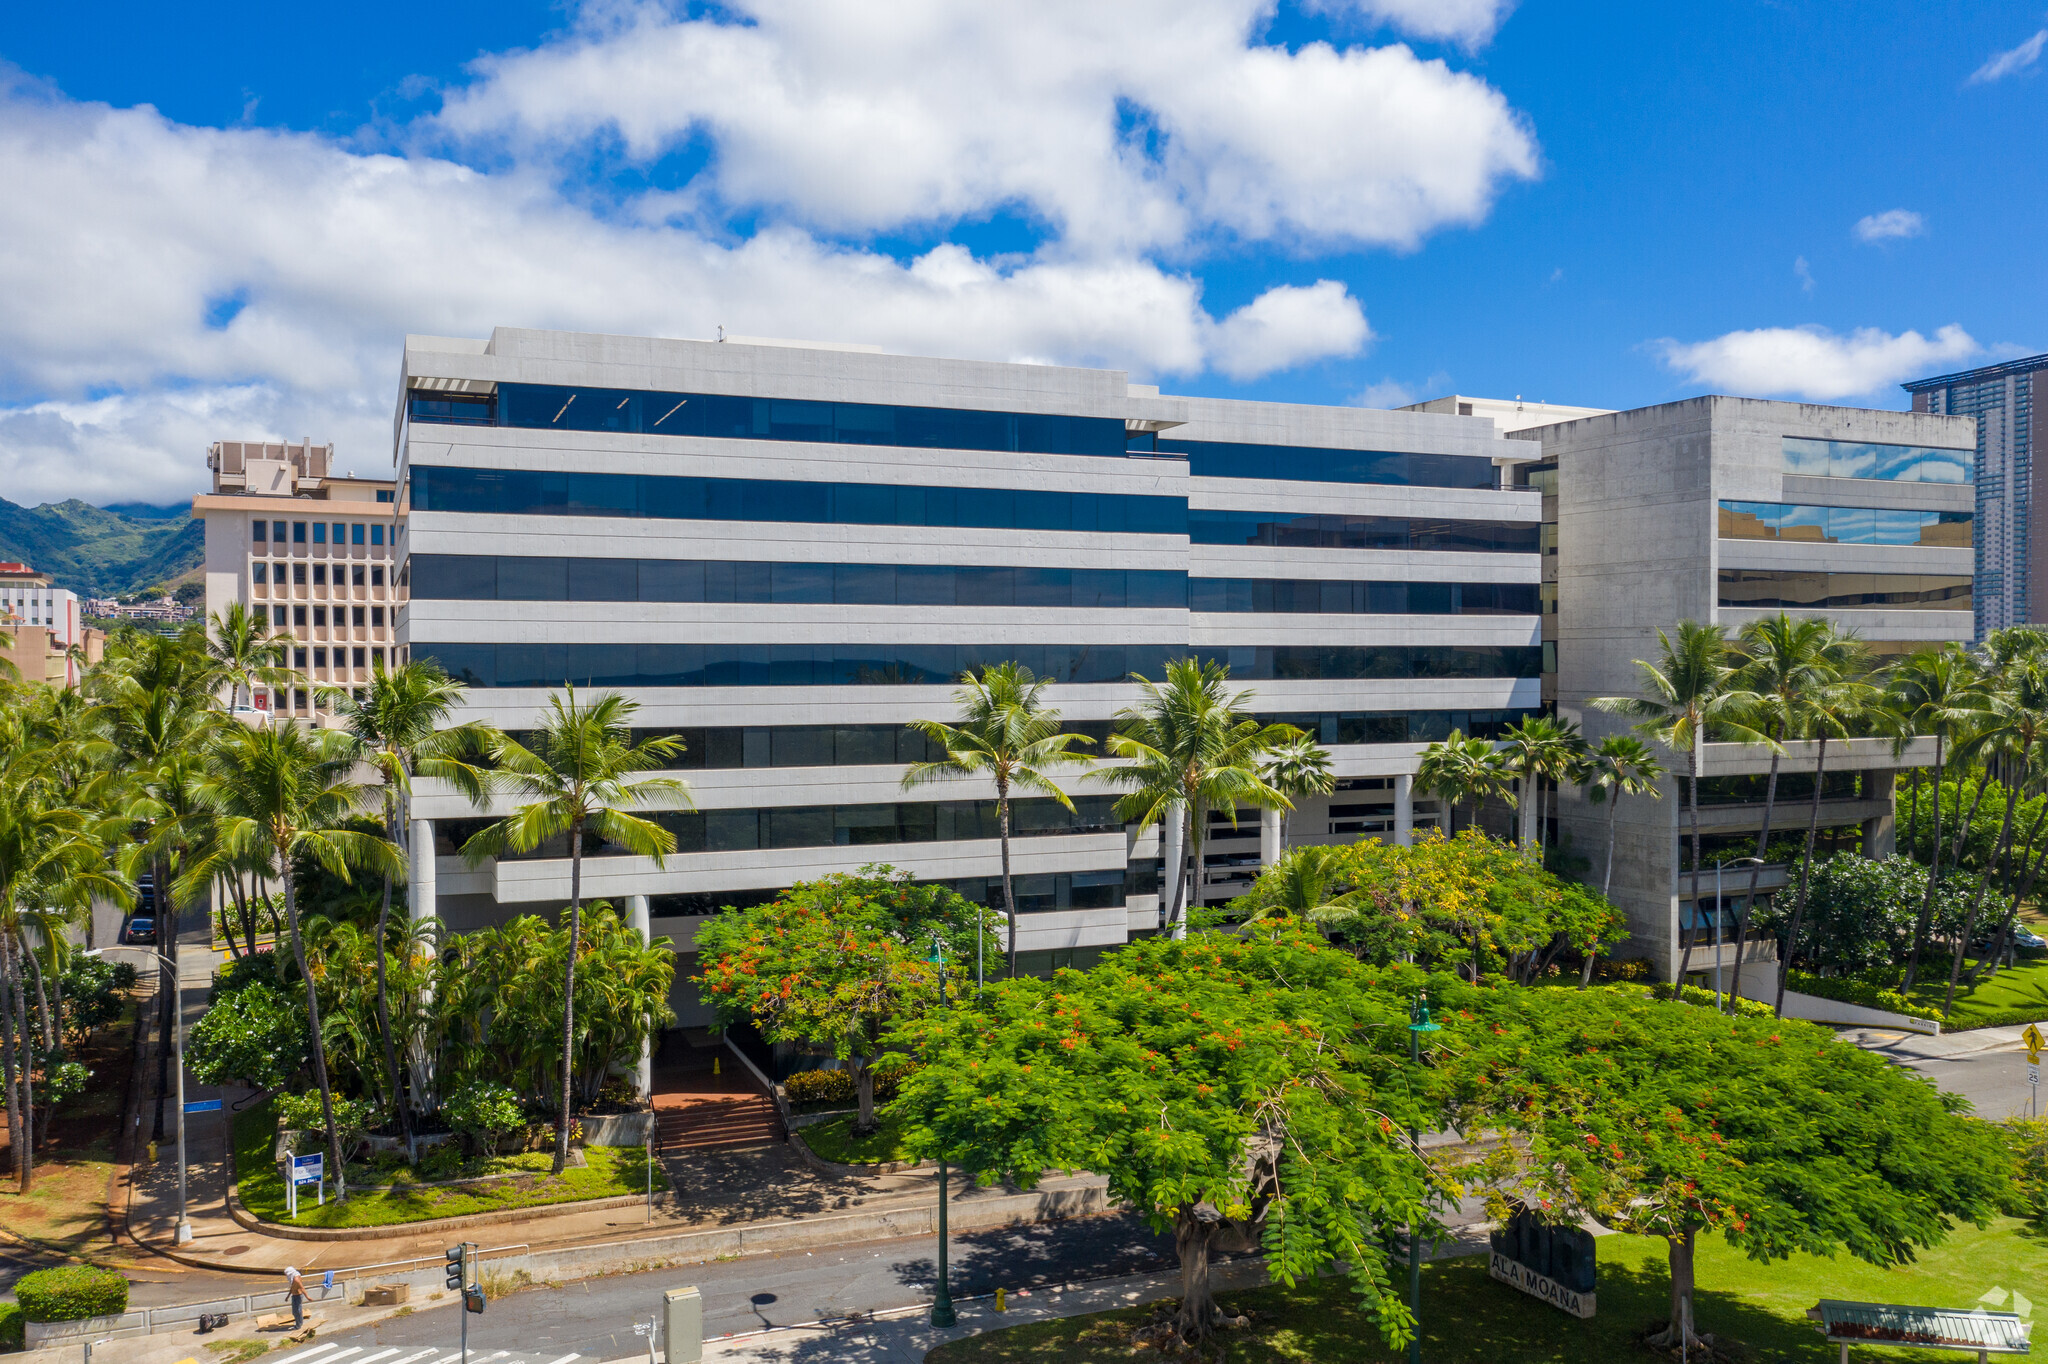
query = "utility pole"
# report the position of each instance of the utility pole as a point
(1418, 1023)
(942, 1305)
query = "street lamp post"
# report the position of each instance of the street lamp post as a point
(1419, 1022)
(942, 1304)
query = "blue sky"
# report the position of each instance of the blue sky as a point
(224, 220)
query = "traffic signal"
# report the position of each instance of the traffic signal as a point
(458, 1264)
(473, 1300)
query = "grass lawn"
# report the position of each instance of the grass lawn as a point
(1470, 1319)
(834, 1140)
(611, 1170)
(2023, 987)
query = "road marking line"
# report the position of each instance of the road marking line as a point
(308, 1354)
(352, 1350)
(564, 1359)
(381, 1354)
(409, 1359)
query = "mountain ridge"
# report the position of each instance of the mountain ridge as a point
(103, 551)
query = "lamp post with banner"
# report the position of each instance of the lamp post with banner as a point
(942, 1302)
(1419, 1022)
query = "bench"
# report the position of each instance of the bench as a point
(1924, 1328)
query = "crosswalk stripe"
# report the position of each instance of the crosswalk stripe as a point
(308, 1354)
(564, 1359)
(381, 1354)
(414, 1358)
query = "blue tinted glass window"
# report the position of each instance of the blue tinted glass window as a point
(260, 528)
(298, 532)
(319, 532)
(1228, 459)
(1307, 595)
(1792, 590)
(521, 492)
(556, 407)
(724, 665)
(377, 535)
(355, 532)
(1318, 531)
(1845, 525)
(1892, 463)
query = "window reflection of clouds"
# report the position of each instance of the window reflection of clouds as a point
(1845, 525)
(1888, 463)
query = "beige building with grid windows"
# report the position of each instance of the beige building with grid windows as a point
(312, 549)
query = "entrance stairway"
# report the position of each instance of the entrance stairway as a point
(696, 1110)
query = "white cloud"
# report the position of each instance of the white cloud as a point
(1813, 362)
(1286, 326)
(2004, 64)
(1122, 127)
(1803, 273)
(1135, 136)
(1890, 225)
(1470, 22)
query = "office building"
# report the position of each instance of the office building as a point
(1507, 414)
(310, 549)
(2011, 425)
(1728, 510)
(786, 553)
(52, 643)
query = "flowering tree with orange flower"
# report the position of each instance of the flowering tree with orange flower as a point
(1670, 1120)
(836, 963)
(1234, 1090)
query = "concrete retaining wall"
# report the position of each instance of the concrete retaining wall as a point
(1762, 983)
(157, 1320)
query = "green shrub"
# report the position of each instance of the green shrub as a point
(819, 1087)
(2027, 1195)
(482, 1113)
(1624, 968)
(1848, 990)
(71, 1293)
(2000, 1018)
(1693, 994)
(11, 1326)
(301, 1112)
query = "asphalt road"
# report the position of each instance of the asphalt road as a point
(1987, 1067)
(592, 1319)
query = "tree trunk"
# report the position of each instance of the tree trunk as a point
(1009, 896)
(1526, 815)
(391, 833)
(1692, 778)
(1820, 763)
(35, 975)
(291, 918)
(569, 990)
(1933, 875)
(1606, 883)
(1193, 1228)
(2031, 861)
(863, 1071)
(1678, 1331)
(1999, 853)
(14, 1065)
(1964, 821)
(1913, 814)
(1763, 842)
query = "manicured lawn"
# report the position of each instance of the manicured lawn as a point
(2024, 987)
(1470, 1319)
(610, 1171)
(834, 1140)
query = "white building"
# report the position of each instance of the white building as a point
(309, 548)
(48, 624)
(788, 552)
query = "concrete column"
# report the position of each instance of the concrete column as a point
(1269, 837)
(1171, 852)
(643, 1077)
(1880, 836)
(1404, 811)
(419, 888)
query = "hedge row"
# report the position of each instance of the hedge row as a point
(71, 1293)
(1849, 990)
(12, 1329)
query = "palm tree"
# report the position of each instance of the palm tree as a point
(1783, 663)
(1190, 747)
(1834, 711)
(1536, 749)
(1621, 766)
(1299, 885)
(1688, 695)
(1939, 692)
(242, 645)
(286, 793)
(581, 773)
(1006, 732)
(2013, 737)
(1299, 767)
(1461, 769)
(397, 726)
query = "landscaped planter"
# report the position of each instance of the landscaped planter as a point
(834, 1167)
(617, 1129)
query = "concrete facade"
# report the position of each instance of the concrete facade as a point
(51, 641)
(1639, 543)
(330, 583)
(1377, 798)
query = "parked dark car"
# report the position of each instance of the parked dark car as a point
(140, 933)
